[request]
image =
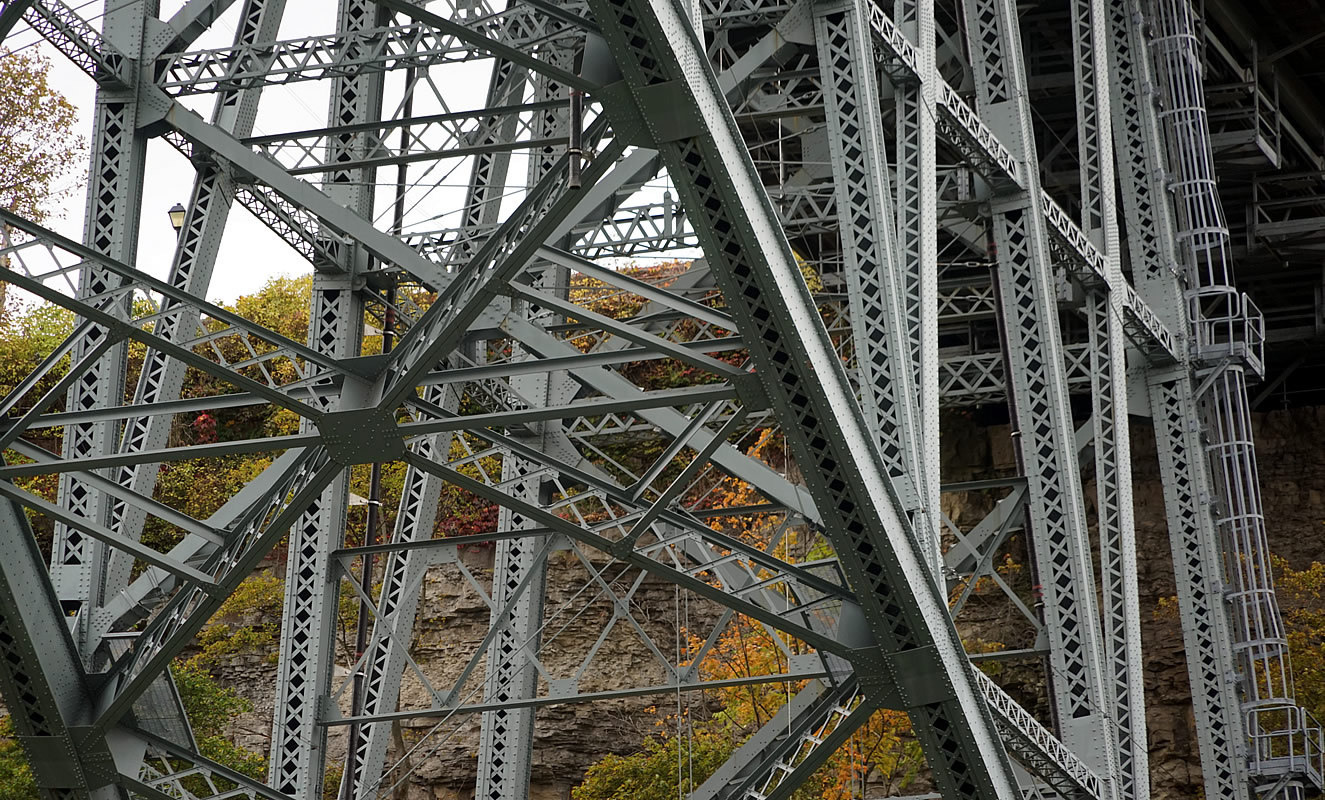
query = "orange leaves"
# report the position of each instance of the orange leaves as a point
(882, 749)
(727, 492)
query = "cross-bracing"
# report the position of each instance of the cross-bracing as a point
(475, 162)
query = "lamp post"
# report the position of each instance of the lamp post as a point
(176, 213)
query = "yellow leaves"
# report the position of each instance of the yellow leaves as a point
(1301, 596)
(732, 493)
(282, 422)
(39, 151)
(16, 781)
(248, 621)
(617, 303)
(1166, 608)
(1008, 566)
(883, 746)
(808, 272)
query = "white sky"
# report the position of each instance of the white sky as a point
(251, 254)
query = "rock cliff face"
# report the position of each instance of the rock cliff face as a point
(453, 618)
(1292, 472)
(570, 738)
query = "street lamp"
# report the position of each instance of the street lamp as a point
(176, 213)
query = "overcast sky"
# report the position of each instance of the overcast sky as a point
(250, 253)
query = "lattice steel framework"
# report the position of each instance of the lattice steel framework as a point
(851, 184)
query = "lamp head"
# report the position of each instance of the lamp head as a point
(176, 213)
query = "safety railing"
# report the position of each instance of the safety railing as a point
(1228, 324)
(1286, 740)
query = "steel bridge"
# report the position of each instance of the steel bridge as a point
(999, 206)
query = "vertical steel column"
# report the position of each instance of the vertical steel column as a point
(1197, 571)
(1108, 353)
(307, 646)
(1117, 533)
(1139, 158)
(387, 652)
(335, 327)
(191, 270)
(917, 248)
(506, 738)
(1187, 493)
(1081, 695)
(506, 741)
(115, 186)
(507, 735)
(865, 226)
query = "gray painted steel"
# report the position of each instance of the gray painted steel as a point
(758, 147)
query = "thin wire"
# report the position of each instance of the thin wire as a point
(679, 739)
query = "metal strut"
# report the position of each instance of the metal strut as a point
(646, 150)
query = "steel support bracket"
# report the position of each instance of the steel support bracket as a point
(79, 759)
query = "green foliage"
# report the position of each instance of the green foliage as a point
(16, 782)
(27, 335)
(248, 621)
(280, 306)
(198, 488)
(228, 754)
(331, 781)
(664, 769)
(209, 707)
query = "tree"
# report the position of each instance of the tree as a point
(666, 768)
(1301, 595)
(209, 707)
(16, 781)
(39, 151)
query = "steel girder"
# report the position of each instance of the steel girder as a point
(298, 743)
(917, 238)
(111, 227)
(1081, 694)
(1121, 631)
(161, 377)
(883, 345)
(450, 402)
(519, 574)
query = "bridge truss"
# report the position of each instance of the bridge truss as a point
(479, 163)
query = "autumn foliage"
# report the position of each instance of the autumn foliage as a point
(38, 162)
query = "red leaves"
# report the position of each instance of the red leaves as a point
(204, 428)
